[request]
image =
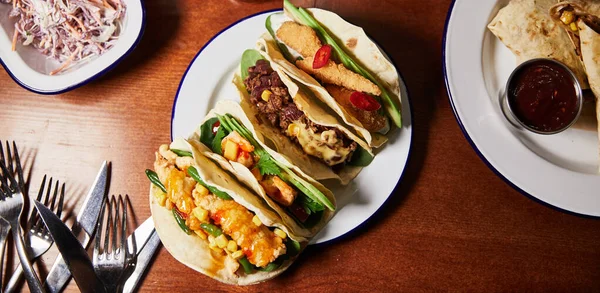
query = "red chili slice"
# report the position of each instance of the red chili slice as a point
(299, 212)
(181, 214)
(215, 127)
(364, 102)
(322, 57)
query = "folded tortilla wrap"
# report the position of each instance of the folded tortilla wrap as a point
(195, 251)
(299, 231)
(526, 28)
(581, 20)
(360, 48)
(590, 51)
(316, 112)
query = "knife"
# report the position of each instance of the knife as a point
(140, 236)
(84, 227)
(73, 253)
(143, 260)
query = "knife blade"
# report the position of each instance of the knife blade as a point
(143, 260)
(73, 253)
(83, 228)
(139, 237)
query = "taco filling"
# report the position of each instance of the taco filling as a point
(227, 137)
(339, 81)
(568, 14)
(214, 216)
(274, 103)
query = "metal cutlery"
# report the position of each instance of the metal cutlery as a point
(73, 253)
(111, 265)
(143, 260)
(11, 208)
(83, 228)
(39, 239)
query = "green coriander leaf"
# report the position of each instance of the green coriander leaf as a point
(266, 166)
(216, 143)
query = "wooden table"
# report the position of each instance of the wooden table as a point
(452, 224)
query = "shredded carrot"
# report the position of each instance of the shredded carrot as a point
(64, 65)
(107, 5)
(14, 40)
(79, 22)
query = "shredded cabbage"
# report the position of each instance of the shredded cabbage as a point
(69, 31)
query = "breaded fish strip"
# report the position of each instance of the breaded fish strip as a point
(300, 38)
(339, 75)
(371, 120)
(304, 40)
(260, 245)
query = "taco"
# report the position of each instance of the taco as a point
(341, 65)
(228, 137)
(581, 19)
(297, 124)
(212, 224)
(528, 30)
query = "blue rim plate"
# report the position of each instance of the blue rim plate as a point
(208, 80)
(561, 170)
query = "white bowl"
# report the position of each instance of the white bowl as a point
(29, 68)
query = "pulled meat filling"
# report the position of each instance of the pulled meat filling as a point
(272, 99)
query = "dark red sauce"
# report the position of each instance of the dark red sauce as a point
(543, 95)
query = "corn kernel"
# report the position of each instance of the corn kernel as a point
(280, 233)
(232, 246)
(293, 129)
(201, 214)
(231, 150)
(211, 240)
(567, 17)
(221, 241)
(215, 248)
(266, 94)
(161, 197)
(201, 190)
(256, 221)
(573, 26)
(237, 255)
(200, 234)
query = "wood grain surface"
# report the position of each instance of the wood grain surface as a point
(451, 225)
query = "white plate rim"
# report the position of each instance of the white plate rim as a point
(366, 221)
(94, 76)
(469, 138)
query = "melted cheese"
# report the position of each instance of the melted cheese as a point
(324, 145)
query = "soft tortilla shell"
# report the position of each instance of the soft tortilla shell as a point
(526, 28)
(193, 251)
(590, 51)
(314, 110)
(244, 175)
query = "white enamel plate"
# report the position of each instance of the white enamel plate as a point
(561, 169)
(208, 80)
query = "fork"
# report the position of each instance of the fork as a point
(11, 207)
(110, 266)
(38, 236)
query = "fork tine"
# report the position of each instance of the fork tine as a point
(33, 218)
(54, 195)
(108, 224)
(2, 159)
(99, 229)
(19, 168)
(115, 226)
(9, 161)
(123, 224)
(61, 200)
(5, 179)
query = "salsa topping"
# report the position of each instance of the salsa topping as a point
(364, 101)
(322, 57)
